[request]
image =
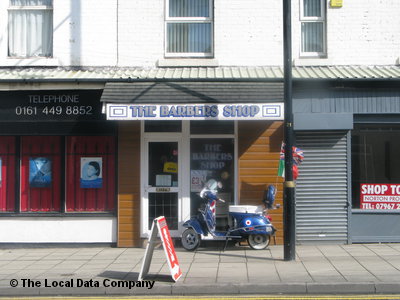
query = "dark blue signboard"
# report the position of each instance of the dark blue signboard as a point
(51, 105)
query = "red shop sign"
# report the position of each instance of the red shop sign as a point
(169, 249)
(160, 226)
(379, 196)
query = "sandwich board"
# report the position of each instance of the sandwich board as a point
(160, 226)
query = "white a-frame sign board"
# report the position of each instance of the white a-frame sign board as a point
(160, 226)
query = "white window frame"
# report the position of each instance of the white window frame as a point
(179, 20)
(322, 19)
(29, 7)
(184, 138)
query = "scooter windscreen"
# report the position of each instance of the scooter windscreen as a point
(213, 185)
(210, 189)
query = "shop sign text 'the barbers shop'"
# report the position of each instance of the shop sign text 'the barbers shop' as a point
(247, 111)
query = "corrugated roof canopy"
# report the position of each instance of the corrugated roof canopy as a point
(196, 73)
(192, 92)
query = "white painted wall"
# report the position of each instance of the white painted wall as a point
(85, 32)
(247, 33)
(141, 32)
(58, 230)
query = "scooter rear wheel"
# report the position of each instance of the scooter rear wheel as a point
(190, 239)
(258, 241)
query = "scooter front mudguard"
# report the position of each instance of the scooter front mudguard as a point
(195, 224)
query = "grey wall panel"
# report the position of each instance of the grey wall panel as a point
(368, 227)
(321, 189)
(347, 100)
(323, 121)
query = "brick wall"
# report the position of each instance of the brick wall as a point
(362, 32)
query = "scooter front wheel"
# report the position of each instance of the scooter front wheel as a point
(258, 241)
(190, 239)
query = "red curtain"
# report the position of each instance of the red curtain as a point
(80, 151)
(7, 173)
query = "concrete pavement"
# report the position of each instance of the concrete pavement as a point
(318, 269)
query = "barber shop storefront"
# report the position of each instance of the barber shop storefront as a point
(173, 137)
(96, 163)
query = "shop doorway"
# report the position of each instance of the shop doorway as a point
(177, 158)
(162, 183)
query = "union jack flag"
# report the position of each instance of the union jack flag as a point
(298, 154)
(212, 207)
(298, 157)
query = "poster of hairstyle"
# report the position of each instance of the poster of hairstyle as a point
(91, 172)
(39, 172)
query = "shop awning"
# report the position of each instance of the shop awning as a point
(249, 73)
(192, 92)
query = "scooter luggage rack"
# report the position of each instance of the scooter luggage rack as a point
(228, 236)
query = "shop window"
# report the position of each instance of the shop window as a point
(30, 30)
(57, 174)
(90, 180)
(375, 175)
(211, 159)
(7, 174)
(40, 173)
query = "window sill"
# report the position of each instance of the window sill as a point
(311, 61)
(187, 62)
(29, 62)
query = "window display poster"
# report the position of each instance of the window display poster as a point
(91, 172)
(39, 172)
(380, 196)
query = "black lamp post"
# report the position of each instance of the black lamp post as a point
(289, 217)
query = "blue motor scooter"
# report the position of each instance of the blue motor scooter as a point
(249, 222)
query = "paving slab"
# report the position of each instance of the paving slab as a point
(336, 269)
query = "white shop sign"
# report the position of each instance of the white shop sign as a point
(244, 111)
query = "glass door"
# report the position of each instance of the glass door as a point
(162, 183)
